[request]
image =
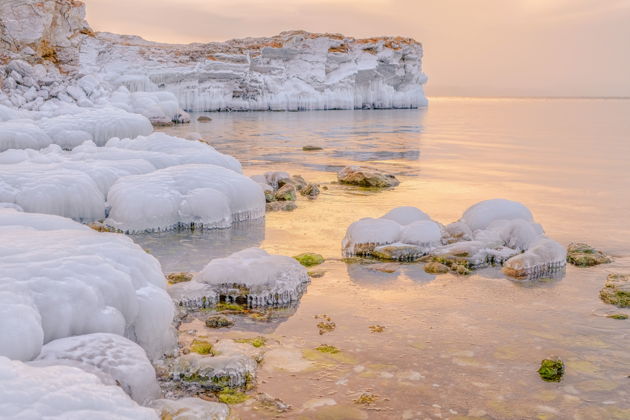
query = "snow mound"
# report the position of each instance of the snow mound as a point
(251, 277)
(62, 392)
(116, 356)
(401, 226)
(186, 196)
(66, 279)
(485, 212)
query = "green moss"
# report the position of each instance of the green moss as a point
(174, 278)
(377, 328)
(325, 348)
(256, 341)
(551, 370)
(583, 255)
(221, 382)
(229, 307)
(232, 396)
(616, 290)
(201, 347)
(194, 378)
(309, 259)
(218, 321)
(617, 316)
(366, 399)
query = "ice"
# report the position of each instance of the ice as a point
(485, 212)
(190, 409)
(214, 372)
(75, 184)
(22, 134)
(543, 257)
(252, 277)
(116, 356)
(62, 392)
(186, 196)
(78, 281)
(405, 225)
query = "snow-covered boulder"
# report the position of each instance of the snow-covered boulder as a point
(60, 279)
(62, 392)
(123, 360)
(197, 196)
(251, 277)
(482, 214)
(408, 227)
(543, 256)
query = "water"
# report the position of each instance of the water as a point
(452, 346)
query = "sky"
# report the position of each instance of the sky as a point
(471, 47)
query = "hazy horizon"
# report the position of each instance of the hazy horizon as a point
(492, 48)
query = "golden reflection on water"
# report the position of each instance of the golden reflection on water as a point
(452, 347)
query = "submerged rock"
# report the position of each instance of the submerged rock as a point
(366, 177)
(203, 119)
(309, 259)
(435, 267)
(616, 290)
(219, 321)
(281, 206)
(551, 370)
(584, 255)
(398, 252)
(309, 148)
(190, 409)
(174, 278)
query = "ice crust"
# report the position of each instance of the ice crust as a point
(197, 196)
(62, 392)
(190, 409)
(492, 232)
(251, 276)
(123, 360)
(59, 278)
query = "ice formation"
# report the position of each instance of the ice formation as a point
(492, 232)
(402, 226)
(75, 184)
(62, 392)
(251, 277)
(197, 196)
(121, 359)
(215, 372)
(59, 278)
(190, 409)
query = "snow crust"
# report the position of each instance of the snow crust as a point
(62, 392)
(123, 360)
(253, 275)
(60, 279)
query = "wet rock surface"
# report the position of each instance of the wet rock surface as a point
(616, 290)
(584, 255)
(366, 177)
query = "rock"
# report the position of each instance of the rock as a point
(281, 206)
(270, 195)
(551, 370)
(398, 251)
(203, 119)
(436, 268)
(273, 404)
(190, 409)
(366, 177)
(309, 148)
(309, 259)
(315, 274)
(214, 373)
(219, 321)
(616, 291)
(286, 193)
(174, 278)
(296, 180)
(310, 191)
(583, 255)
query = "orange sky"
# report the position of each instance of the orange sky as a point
(472, 47)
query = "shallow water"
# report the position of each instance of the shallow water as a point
(452, 346)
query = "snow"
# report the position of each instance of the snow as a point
(198, 196)
(62, 392)
(65, 279)
(480, 215)
(116, 356)
(253, 275)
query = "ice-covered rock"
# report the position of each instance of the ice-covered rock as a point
(291, 71)
(251, 277)
(190, 409)
(62, 392)
(480, 215)
(188, 196)
(541, 258)
(60, 279)
(408, 227)
(214, 372)
(123, 360)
